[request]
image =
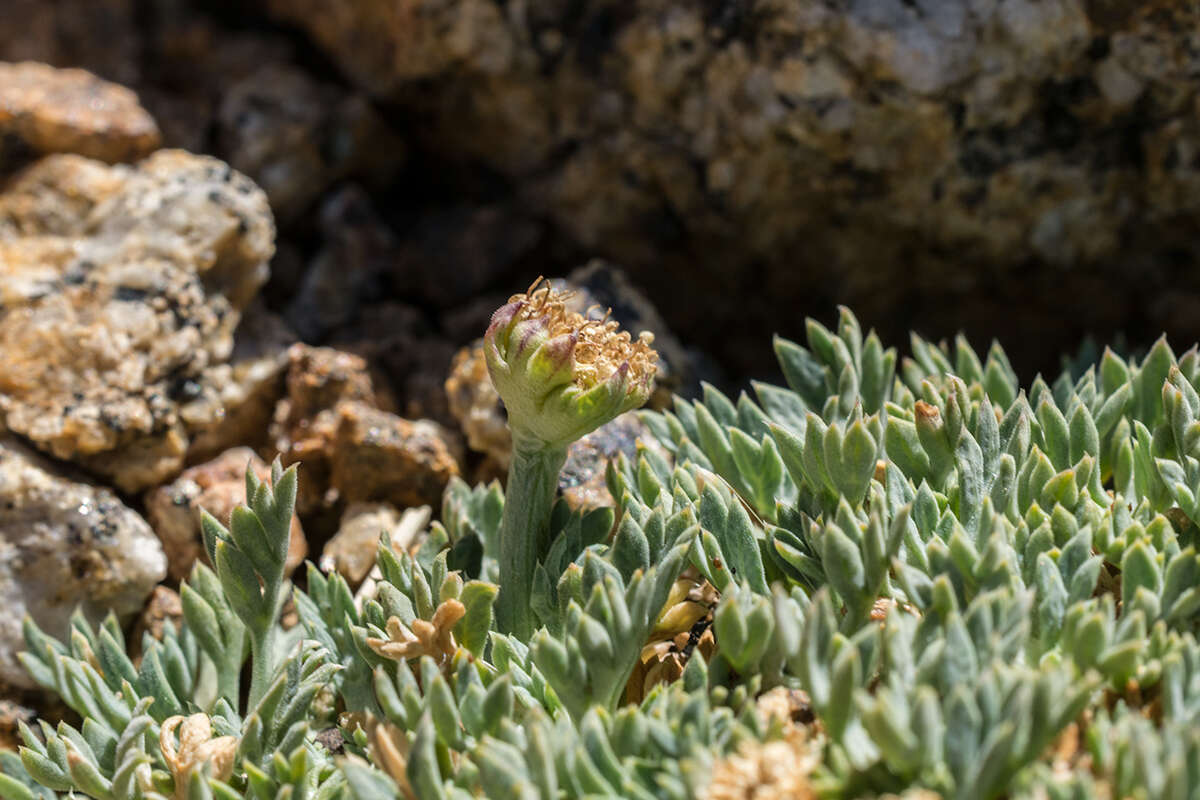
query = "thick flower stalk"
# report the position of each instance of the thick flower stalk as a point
(561, 375)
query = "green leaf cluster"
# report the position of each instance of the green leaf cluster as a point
(958, 572)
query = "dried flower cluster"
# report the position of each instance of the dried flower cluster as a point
(197, 749)
(431, 638)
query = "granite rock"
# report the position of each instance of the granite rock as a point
(65, 543)
(351, 552)
(121, 287)
(47, 110)
(582, 480)
(295, 136)
(935, 165)
(246, 389)
(216, 486)
(377, 456)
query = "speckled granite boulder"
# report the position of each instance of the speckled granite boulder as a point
(120, 289)
(65, 543)
(246, 388)
(47, 110)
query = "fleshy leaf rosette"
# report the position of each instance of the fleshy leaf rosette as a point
(560, 373)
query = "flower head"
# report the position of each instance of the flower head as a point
(562, 374)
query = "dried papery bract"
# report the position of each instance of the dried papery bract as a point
(197, 748)
(431, 638)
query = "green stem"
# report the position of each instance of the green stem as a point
(263, 649)
(525, 531)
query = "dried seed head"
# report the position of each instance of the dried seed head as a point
(777, 770)
(600, 346)
(431, 638)
(197, 747)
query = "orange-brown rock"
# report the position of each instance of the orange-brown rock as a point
(351, 552)
(377, 456)
(318, 378)
(216, 486)
(52, 110)
(476, 405)
(357, 453)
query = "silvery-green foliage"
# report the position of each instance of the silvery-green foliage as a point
(960, 573)
(662, 748)
(1067, 507)
(196, 669)
(470, 525)
(607, 619)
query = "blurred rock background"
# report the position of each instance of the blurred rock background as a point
(384, 173)
(1026, 169)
